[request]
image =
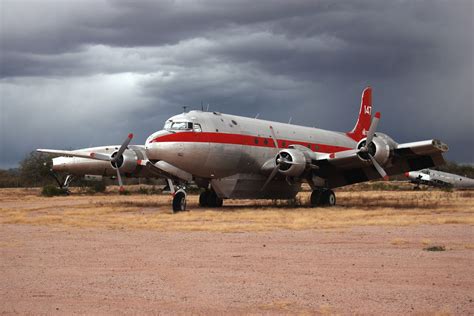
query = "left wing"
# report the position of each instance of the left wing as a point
(346, 167)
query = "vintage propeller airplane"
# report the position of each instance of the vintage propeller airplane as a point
(245, 158)
(439, 179)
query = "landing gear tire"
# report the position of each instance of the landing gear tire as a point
(179, 202)
(323, 197)
(213, 200)
(328, 198)
(203, 198)
(315, 199)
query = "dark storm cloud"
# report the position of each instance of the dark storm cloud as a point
(127, 65)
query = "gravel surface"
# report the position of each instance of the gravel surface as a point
(363, 270)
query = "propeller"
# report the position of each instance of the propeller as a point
(275, 170)
(368, 141)
(115, 158)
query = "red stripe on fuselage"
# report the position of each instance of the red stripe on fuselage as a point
(246, 140)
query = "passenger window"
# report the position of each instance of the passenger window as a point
(197, 127)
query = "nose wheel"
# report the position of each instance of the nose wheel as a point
(179, 196)
(323, 197)
(179, 201)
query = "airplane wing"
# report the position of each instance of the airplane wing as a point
(343, 168)
(69, 153)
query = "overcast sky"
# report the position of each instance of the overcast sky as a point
(86, 73)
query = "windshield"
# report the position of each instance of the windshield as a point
(178, 126)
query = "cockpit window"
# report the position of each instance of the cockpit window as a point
(178, 126)
(197, 127)
(182, 125)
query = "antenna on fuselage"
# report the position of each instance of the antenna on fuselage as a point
(184, 108)
(202, 107)
(289, 121)
(256, 116)
(207, 109)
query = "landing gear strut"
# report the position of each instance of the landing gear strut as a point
(64, 182)
(209, 198)
(323, 197)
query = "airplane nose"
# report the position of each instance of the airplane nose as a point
(154, 146)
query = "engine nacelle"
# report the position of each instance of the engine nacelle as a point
(380, 148)
(127, 163)
(291, 162)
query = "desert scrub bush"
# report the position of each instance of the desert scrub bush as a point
(98, 187)
(52, 190)
(124, 192)
(435, 248)
(148, 191)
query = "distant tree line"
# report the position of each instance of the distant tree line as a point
(34, 171)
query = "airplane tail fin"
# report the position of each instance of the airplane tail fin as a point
(365, 116)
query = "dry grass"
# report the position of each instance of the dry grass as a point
(361, 208)
(399, 241)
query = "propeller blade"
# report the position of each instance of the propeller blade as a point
(378, 167)
(275, 141)
(119, 178)
(272, 175)
(285, 161)
(123, 147)
(372, 129)
(99, 156)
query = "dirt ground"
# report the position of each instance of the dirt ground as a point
(52, 265)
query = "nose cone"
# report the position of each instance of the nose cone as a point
(154, 145)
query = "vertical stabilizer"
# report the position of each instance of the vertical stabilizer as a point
(365, 114)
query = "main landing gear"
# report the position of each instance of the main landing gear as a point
(323, 197)
(209, 198)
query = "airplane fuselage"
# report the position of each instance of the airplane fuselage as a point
(229, 151)
(227, 144)
(440, 179)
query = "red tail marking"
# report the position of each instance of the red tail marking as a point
(365, 116)
(130, 135)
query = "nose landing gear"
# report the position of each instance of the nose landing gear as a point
(179, 201)
(179, 196)
(323, 197)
